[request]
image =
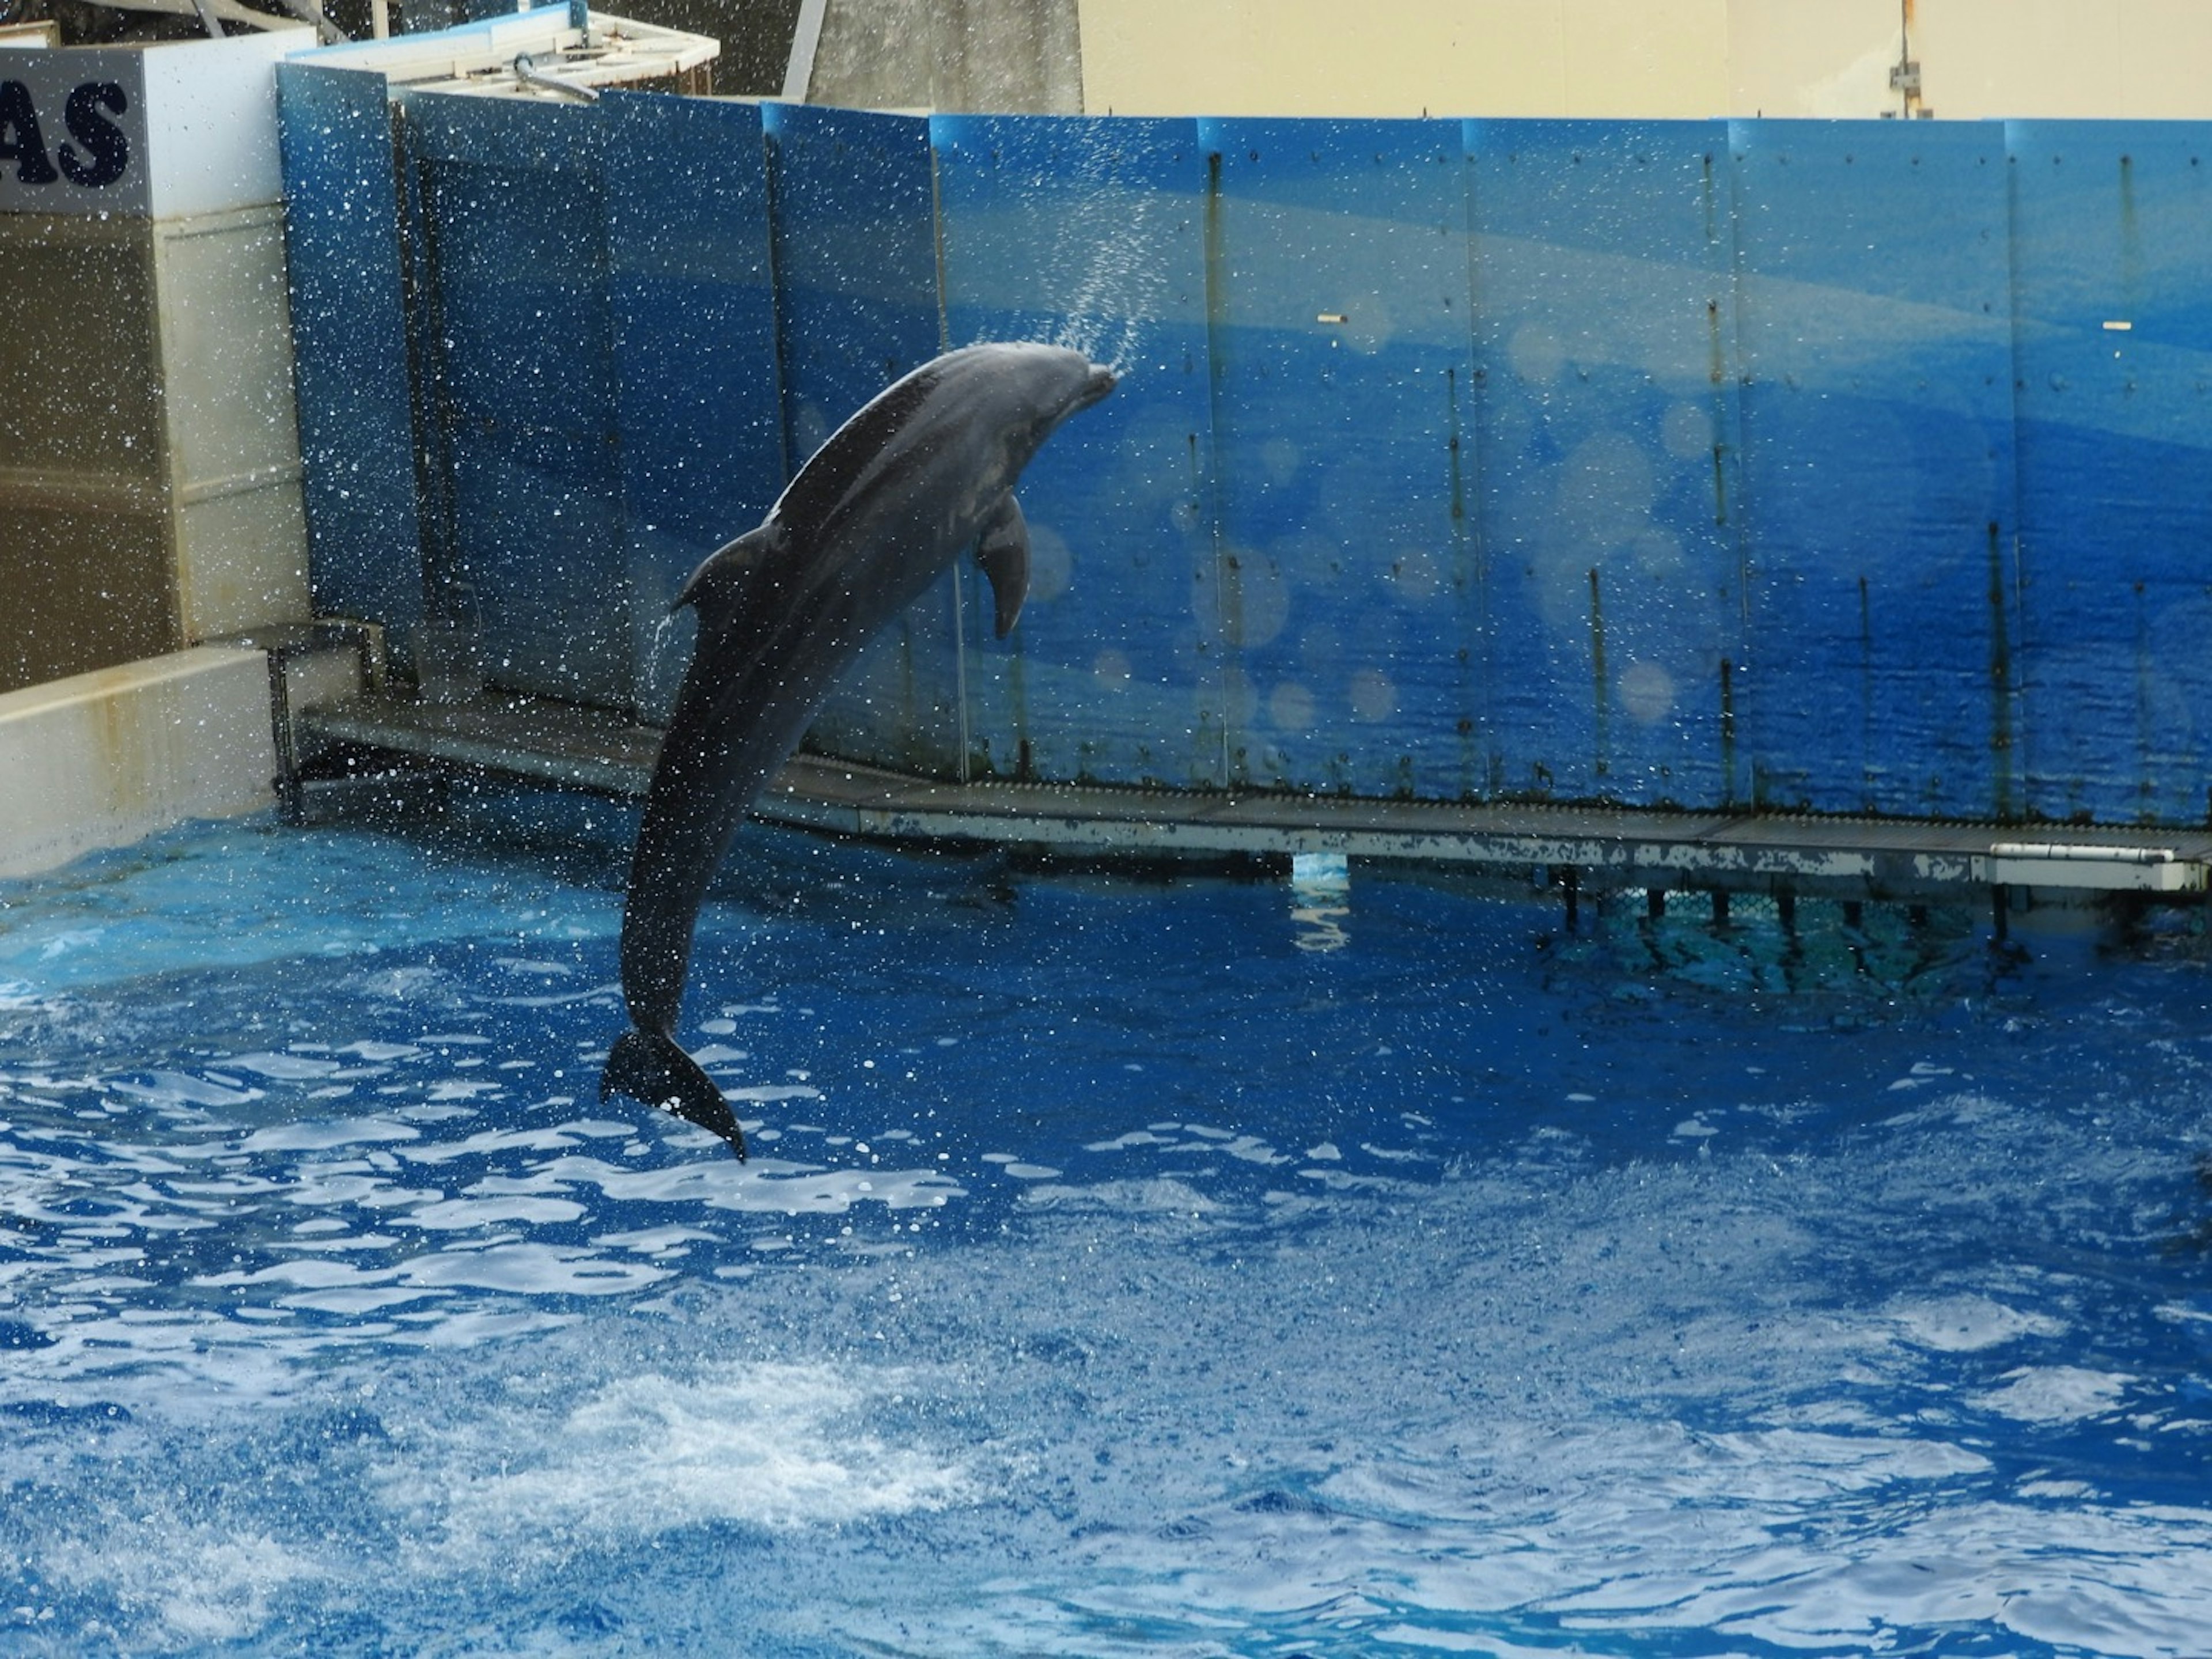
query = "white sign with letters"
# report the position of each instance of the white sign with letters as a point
(164, 131)
(72, 131)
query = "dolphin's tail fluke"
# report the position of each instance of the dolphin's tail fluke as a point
(649, 1067)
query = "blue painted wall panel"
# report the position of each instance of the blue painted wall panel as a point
(2112, 254)
(1607, 451)
(523, 387)
(350, 348)
(693, 303)
(1846, 466)
(857, 307)
(1346, 595)
(528, 135)
(1090, 232)
(1873, 305)
(855, 259)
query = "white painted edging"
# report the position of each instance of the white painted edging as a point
(107, 758)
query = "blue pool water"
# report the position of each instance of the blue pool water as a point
(1192, 1267)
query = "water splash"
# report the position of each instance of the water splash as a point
(1103, 267)
(1110, 244)
(781, 1446)
(658, 666)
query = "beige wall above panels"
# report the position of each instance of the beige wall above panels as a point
(2046, 57)
(2165, 59)
(2134, 59)
(1652, 60)
(1828, 59)
(1649, 59)
(1311, 57)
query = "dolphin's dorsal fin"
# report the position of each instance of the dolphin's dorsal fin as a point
(731, 577)
(1004, 553)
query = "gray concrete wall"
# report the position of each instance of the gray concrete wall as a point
(995, 57)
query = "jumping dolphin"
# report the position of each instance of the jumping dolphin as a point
(925, 471)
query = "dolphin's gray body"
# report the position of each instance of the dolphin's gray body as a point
(924, 472)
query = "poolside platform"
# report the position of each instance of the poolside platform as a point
(1589, 848)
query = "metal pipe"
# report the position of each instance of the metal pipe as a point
(1905, 78)
(531, 76)
(311, 11)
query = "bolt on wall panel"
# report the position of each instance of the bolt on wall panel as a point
(1088, 233)
(1346, 604)
(856, 304)
(1607, 492)
(2113, 252)
(1874, 301)
(349, 363)
(692, 293)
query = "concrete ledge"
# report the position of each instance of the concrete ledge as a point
(1605, 847)
(105, 759)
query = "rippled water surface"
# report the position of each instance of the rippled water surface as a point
(1123, 1266)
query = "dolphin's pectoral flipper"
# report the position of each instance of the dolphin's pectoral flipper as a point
(649, 1067)
(1004, 553)
(732, 578)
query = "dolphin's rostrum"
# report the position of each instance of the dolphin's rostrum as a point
(924, 472)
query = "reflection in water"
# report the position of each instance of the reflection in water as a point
(1756, 945)
(1321, 900)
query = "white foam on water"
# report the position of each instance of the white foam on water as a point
(378, 1052)
(763, 1185)
(1967, 1324)
(1781, 1537)
(2055, 1393)
(321, 1135)
(19, 996)
(1161, 1196)
(608, 993)
(656, 1241)
(453, 1214)
(193, 1583)
(530, 1269)
(779, 1446)
(170, 1090)
(284, 1068)
(1246, 1148)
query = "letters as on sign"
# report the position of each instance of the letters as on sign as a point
(73, 125)
(95, 153)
